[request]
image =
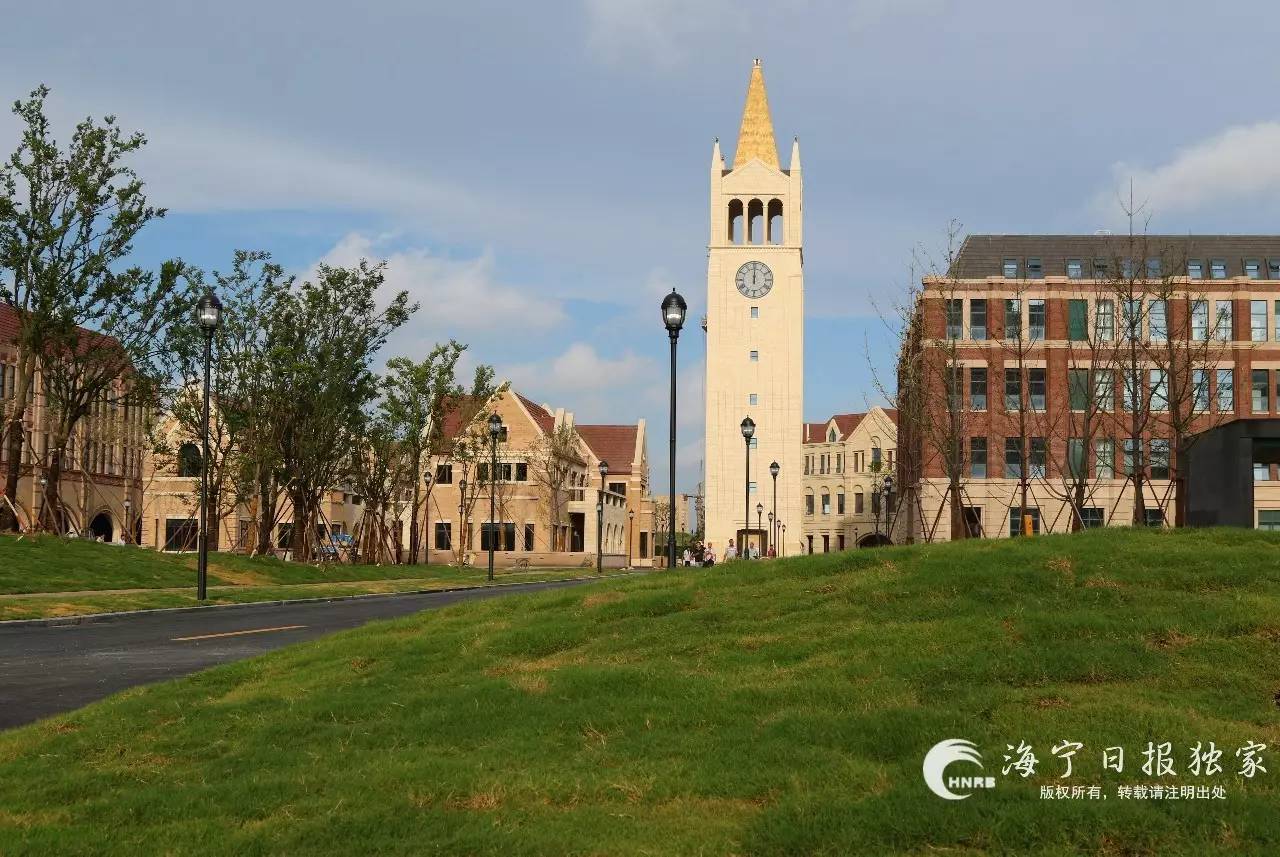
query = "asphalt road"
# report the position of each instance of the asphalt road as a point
(48, 670)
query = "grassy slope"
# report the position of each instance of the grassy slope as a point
(771, 709)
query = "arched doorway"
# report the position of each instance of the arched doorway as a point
(874, 540)
(100, 527)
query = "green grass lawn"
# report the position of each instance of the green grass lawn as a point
(46, 564)
(769, 708)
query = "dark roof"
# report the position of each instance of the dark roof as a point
(846, 423)
(614, 444)
(983, 255)
(540, 415)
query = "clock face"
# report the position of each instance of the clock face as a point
(754, 279)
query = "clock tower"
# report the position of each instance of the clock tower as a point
(755, 333)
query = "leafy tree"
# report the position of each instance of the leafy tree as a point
(67, 217)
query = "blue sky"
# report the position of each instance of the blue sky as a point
(536, 173)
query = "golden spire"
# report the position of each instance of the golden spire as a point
(755, 138)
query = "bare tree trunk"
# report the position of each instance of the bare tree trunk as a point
(266, 514)
(414, 536)
(53, 495)
(13, 440)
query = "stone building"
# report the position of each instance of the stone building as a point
(845, 461)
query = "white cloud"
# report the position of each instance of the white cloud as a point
(580, 371)
(455, 294)
(660, 32)
(1238, 164)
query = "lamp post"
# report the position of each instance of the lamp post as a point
(673, 311)
(495, 429)
(631, 529)
(128, 522)
(208, 314)
(748, 431)
(759, 522)
(784, 539)
(426, 524)
(44, 498)
(462, 511)
(774, 469)
(887, 488)
(604, 471)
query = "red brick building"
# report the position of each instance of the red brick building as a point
(1053, 382)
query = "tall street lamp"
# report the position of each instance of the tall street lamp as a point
(887, 488)
(759, 522)
(208, 314)
(44, 499)
(784, 538)
(425, 534)
(462, 511)
(128, 521)
(673, 311)
(774, 468)
(604, 471)
(748, 431)
(631, 530)
(495, 429)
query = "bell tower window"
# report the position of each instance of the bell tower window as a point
(776, 233)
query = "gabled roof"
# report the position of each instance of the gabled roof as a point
(612, 443)
(540, 415)
(846, 424)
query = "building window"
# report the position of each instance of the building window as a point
(1200, 390)
(1153, 517)
(1158, 321)
(808, 504)
(1269, 519)
(1016, 523)
(1126, 266)
(1076, 464)
(751, 487)
(1200, 321)
(826, 502)
(1104, 458)
(1261, 471)
(1159, 389)
(528, 537)
(875, 459)
(1159, 458)
(1258, 321)
(1218, 269)
(755, 312)
(955, 318)
(1131, 319)
(754, 442)
(753, 399)
(1091, 517)
(188, 460)
(755, 356)
(1222, 325)
(1078, 389)
(840, 503)
(1104, 321)
(1277, 323)
(978, 318)
(1132, 455)
(1012, 319)
(522, 471)
(1012, 389)
(978, 388)
(1154, 269)
(444, 474)
(1010, 269)
(1038, 459)
(973, 521)
(181, 534)
(1273, 269)
(1036, 318)
(1077, 319)
(1038, 386)
(1100, 269)
(1012, 458)
(1035, 269)
(1253, 269)
(978, 457)
(444, 536)
(1075, 269)
(953, 380)
(859, 503)
(1195, 269)
(1261, 391)
(1226, 391)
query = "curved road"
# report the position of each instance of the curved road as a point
(51, 669)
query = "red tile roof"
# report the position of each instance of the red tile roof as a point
(540, 415)
(614, 444)
(845, 423)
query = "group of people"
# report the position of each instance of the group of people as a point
(705, 555)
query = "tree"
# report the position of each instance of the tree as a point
(415, 396)
(67, 218)
(323, 336)
(468, 449)
(553, 459)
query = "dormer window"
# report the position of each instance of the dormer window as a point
(1035, 269)
(831, 435)
(1011, 269)
(1195, 269)
(1075, 269)
(1218, 269)
(1253, 269)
